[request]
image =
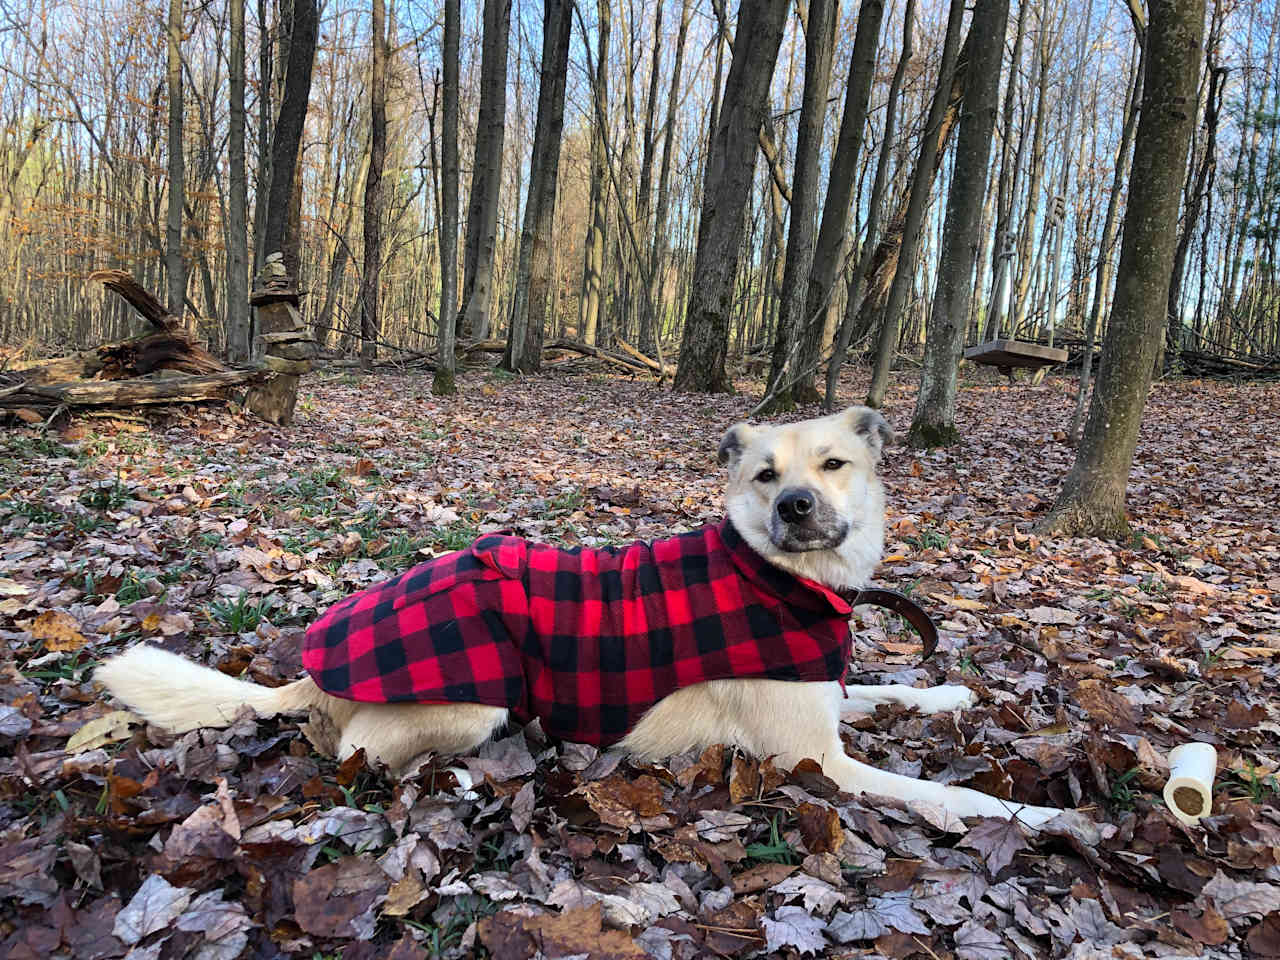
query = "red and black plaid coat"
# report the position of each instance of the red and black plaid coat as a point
(586, 640)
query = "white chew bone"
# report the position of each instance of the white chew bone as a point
(1189, 792)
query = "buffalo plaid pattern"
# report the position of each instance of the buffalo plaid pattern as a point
(586, 640)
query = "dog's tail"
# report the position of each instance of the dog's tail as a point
(178, 695)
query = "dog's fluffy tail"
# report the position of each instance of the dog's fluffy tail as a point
(178, 695)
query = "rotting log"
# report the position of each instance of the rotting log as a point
(126, 393)
(659, 368)
(136, 357)
(137, 297)
(288, 347)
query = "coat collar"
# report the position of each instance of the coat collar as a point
(786, 586)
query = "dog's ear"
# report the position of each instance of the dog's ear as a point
(872, 427)
(735, 441)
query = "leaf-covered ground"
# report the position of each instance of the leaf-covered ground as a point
(213, 535)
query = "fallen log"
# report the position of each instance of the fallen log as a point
(137, 297)
(127, 393)
(135, 357)
(659, 368)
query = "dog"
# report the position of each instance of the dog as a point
(805, 520)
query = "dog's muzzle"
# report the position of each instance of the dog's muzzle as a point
(803, 521)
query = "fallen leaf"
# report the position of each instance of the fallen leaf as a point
(59, 630)
(108, 728)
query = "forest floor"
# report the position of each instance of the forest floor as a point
(211, 534)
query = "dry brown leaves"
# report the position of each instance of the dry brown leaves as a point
(215, 536)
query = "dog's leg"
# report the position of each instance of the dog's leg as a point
(864, 699)
(792, 721)
(396, 733)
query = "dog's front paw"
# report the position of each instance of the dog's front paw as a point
(948, 698)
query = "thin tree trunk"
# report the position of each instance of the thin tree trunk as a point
(369, 289)
(644, 199)
(922, 184)
(1027, 236)
(934, 421)
(827, 254)
(730, 165)
(443, 384)
(263, 190)
(286, 139)
(1102, 279)
(856, 307)
(533, 279)
(793, 319)
(1091, 502)
(486, 174)
(174, 267)
(598, 216)
(237, 200)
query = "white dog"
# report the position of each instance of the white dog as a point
(807, 507)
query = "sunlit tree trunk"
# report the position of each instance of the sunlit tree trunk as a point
(369, 292)
(533, 277)
(730, 165)
(1091, 502)
(921, 185)
(174, 267)
(443, 383)
(486, 175)
(934, 421)
(237, 199)
(597, 214)
(793, 320)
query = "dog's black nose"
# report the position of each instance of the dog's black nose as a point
(794, 506)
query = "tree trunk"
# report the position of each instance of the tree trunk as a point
(263, 172)
(793, 317)
(371, 275)
(835, 212)
(1102, 278)
(649, 332)
(858, 311)
(286, 140)
(730, 166)
(934, 421)
(1027, 236)
(486, 173)
(658, 256)
(175, 269)
(238, 332)
(921, 185)
(443, 384)
(1213, 105)
(597, 214)
(1091, 502)
(533, 279)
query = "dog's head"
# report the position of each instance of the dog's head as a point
(805, 495)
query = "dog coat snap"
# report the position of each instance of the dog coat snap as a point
(586, 640)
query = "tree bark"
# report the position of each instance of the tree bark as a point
(533, 278)
(597, 215)
(1026, 238)
(858, 308)
(263, 172)
(1213, 105)
(174, 267)
(1102, 277)
(793, 317)
(921, 185)
(1091, 502)
(371, 275)
(730, 166)
(286, 139)
(934, 421)
(486, 174)
(444, 382)
(238, 332)
(658, 256)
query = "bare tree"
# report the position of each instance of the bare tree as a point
(934, 421)
(1091, 502)
(237, 199)
(175, 268)
(533, 277)
(730, 165)
(597, 214)
(921, 186)
(486, 174)
(369, 326)
(443, 383)
(792, 325)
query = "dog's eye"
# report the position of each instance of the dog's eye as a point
(833, 464)
(766, 476)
